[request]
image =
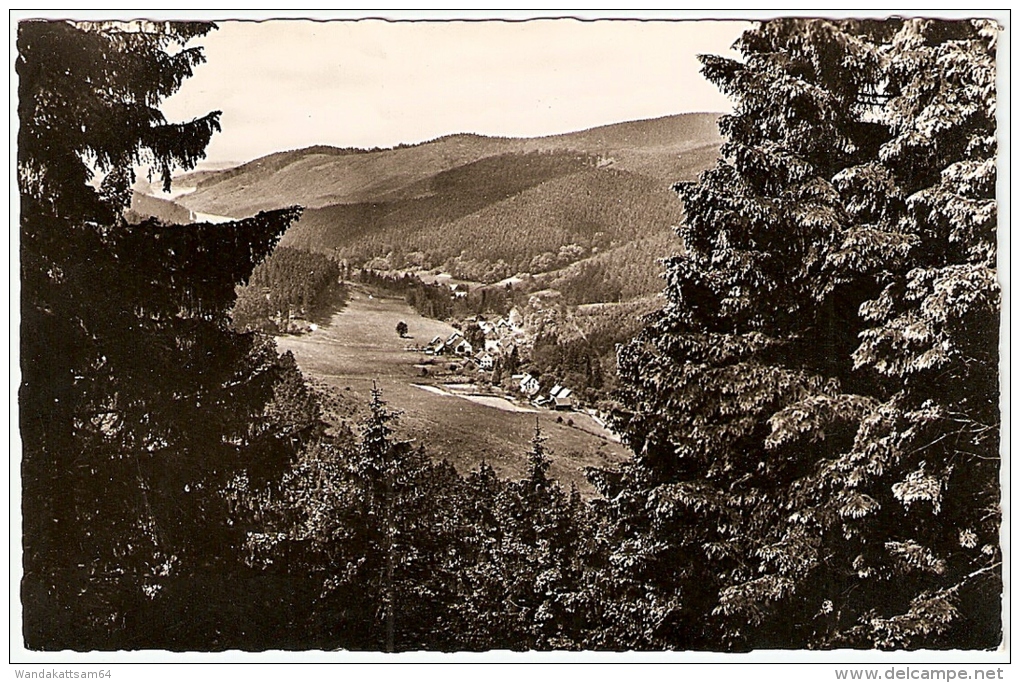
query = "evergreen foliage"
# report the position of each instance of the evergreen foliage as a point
(365, 524)
(814, 411)
(497, 217)
(289, 283)
(522, 590)
(137, 403)
(437, 300)
(398, 552)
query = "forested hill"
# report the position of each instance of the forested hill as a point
(482, 207)
(321, 176)
(144, 206)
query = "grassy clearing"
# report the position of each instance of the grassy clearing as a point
(360, 347)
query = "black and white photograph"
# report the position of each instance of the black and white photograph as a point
(509, 338)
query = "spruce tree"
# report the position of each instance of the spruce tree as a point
(138, 404)
(815, 419)
(373, 530)
(521, 588)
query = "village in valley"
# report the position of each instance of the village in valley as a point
(488, 354)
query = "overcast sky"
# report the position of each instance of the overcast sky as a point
(289, 84)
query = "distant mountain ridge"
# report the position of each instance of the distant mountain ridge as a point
(322, 175)
(484, 207)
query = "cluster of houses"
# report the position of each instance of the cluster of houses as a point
(454, 345)
(510, 325)
(502, 338)
(457, 345)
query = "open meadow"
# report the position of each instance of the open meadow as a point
(360, 347)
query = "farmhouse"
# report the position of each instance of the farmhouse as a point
(515, 318)
(435, 347)
(462, 348)
(486, 361)
(529, 385)
(561, 398)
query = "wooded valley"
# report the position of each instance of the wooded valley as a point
(789, 314)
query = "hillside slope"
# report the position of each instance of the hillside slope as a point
(321, 176)
(144, 206)
(359, 231)
(576, 211)
(483, 208)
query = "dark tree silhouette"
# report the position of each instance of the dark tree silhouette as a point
(289, 282)
(138, 404)
(814, 412)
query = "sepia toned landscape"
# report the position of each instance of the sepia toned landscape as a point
(723, 377)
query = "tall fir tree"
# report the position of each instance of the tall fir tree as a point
(521, 588)
(374, 529)
(815, 419)
(138, 404)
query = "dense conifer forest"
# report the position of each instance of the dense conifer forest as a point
(288, 284)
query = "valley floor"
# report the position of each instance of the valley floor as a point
(360, 347)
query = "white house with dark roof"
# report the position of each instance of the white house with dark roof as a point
(529, 385)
